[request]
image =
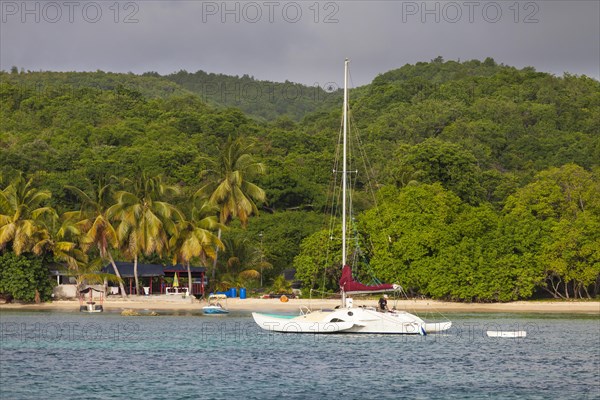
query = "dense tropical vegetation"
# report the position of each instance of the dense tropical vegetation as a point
(489, 178)
(264, 100)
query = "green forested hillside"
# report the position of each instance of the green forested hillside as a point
(261, 99)
(508, 123)
(149, 85)
(488, 175)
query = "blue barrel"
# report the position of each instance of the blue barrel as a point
(242, 293)
(232, 292)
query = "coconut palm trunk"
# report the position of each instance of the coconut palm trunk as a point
(118, 274)
(189, 271)
(135, 275)
(214, 269)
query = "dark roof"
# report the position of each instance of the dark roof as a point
(57, 269)
(148, 270)
(144, 270)
(89, 289)
(289, 274)
(183, 268)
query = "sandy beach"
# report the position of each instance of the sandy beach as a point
(165, 303)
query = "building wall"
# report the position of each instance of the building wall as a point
(65, 292)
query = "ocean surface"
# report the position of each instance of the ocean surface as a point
(54, 355)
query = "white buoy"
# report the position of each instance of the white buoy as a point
(507, 334)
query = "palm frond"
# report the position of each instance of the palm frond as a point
(249, 274)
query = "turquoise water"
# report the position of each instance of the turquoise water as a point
(55, 355)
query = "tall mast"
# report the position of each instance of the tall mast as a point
(344, 168)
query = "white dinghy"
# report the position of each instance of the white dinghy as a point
(507, 334)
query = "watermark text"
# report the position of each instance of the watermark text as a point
(52, 12)
(453, 12)
(67, 331)
(253, 12)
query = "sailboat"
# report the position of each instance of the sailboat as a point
(347, 318)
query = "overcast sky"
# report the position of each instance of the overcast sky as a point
(302, 41)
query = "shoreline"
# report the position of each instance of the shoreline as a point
(293, 305)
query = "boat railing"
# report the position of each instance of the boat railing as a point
(177, 290)
(304, 310)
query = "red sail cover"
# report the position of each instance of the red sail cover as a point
(349, 285)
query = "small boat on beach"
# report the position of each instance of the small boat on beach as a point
(214, 307)
(90, 304)
(507, 334)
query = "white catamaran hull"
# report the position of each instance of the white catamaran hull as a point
(350, 320)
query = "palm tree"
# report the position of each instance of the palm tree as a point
(245, 261)
(21, 215)
(27, 226)
(229, 185)
(62, 243)
(86, 270)
(281, 286)
(144, 221)
(69, 243)
(99, 229)
(195, 238)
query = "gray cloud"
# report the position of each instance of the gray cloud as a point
(301, 41)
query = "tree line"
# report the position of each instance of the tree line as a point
(126, 219)
(545, 239)
(475, 133)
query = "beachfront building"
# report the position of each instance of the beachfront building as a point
(154, 279)
(158, 279)
(66, 285)
(199, 278)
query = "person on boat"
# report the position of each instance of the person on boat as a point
(383, 307)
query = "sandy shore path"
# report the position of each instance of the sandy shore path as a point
(159, 303)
